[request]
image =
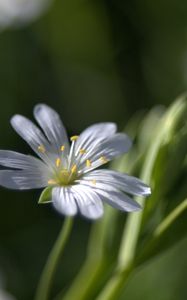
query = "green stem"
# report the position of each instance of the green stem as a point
(164, 225)
(46, 280)
(115, 285)
(98, 261)
(86, 282)
(161, 229)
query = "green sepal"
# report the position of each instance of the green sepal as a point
(45, 196)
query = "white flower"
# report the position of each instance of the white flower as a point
(70, 170)
(6, 296)
(21, 11)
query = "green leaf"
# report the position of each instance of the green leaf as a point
(170, 123)
(45, 196)
(170, 231)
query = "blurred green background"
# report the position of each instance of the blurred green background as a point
(92, 61)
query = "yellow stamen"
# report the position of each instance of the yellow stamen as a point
(52, 181)
(41, 148)
(58, 162)
(93, 182)
(103, 159)
(74, 138)
(62, 148)
(74, 169)
(88, 163)
(82, 151)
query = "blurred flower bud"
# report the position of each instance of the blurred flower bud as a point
(6, 296)
(20, 12)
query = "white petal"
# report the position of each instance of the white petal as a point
(94, 133)
(17, 160)
(64, 201)
(88, 182)
(88, 201)
(118, 200)
(22, 179)
(112, 147)
(112, 196)
(52, 126)
(32, 135)
(116, 145)
(123, 182)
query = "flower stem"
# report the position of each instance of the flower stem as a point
(46, 280)
(167, 222)
(98, 262)
(115, 285)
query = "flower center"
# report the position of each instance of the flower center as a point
(64, 177)
(65, 173)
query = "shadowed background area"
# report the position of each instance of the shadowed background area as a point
(92, 61)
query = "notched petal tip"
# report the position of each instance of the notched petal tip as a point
(144, 189)
(40, 106)
(44, 108)
(15, 120)
(52, 126)
(147, 191)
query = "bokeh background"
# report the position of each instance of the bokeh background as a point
(91, 61)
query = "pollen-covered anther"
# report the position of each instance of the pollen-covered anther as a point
(103, 159)
(74, 138)
(58, 162)
(93, 182)
(41, 148)
(52, 182)
(62, 148)
(74, 169)
(82, 151)
(88, 163)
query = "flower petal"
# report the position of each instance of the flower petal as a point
(88, 201)
(123, 182)
(111, 195)
(110, 148)
(94, 133)
(52, 126)
(64, 200)
(116, 145)
(22, 179)
(17, 160)
(33, 136)
(118, 200)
